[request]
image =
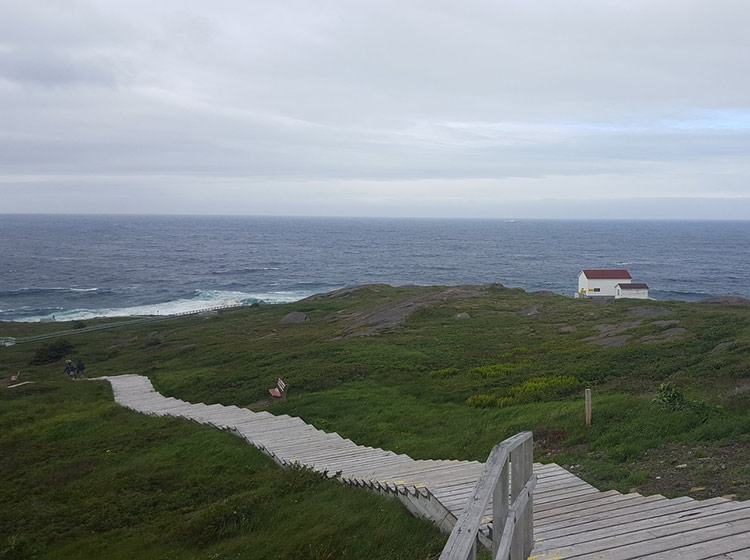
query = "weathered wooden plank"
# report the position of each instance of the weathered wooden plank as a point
(378, 459)
(634, 512)
(691, 545)
(420, 472)
(561, 485)
(455, 499)
(265, 430)
(736, 555)
(565, 494)
(571, 517)
(626, 524)
(669, 509)
(297, 448)
(352, 466)
(576, 503)
(558, 492)
(457, 481)
(301, 436)
(556, 475)
(462, 471)
(731, 547)
(324, 450)
(580, 503)
(329, 462)
(382, 469)
(647, 531)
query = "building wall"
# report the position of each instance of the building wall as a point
(631, 294)
(605, 287)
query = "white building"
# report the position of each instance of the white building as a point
(601, 283)
(633, 290)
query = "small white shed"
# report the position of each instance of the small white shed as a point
(601, 283)
(633, 290)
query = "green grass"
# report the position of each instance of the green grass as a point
(86, 478)
(405, 390)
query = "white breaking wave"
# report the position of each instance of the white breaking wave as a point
(201, 301)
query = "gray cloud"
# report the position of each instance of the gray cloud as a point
(374, 107)
(49, 69)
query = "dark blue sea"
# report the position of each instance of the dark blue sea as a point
(78, 267)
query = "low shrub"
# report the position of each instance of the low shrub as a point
(544, 389)
(669, 397)
(52, 352)
(515, 352)
(482, 400)
(152, 342)
(506, 401)
(446, 372)
(297, 477)
(497, 370)
(19, 547)
(219, 521)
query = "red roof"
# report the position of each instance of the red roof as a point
(634, 286)
(607, 274)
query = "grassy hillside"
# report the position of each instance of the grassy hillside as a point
(671, 385)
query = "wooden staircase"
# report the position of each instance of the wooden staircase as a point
(572, 519)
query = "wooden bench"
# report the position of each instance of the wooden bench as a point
(279, 392)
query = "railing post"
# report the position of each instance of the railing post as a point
(499, 508)
(516, 485)
(512, 534)
(528, 515)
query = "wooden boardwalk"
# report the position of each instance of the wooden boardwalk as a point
(572, 519)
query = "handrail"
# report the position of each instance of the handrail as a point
(512, 521)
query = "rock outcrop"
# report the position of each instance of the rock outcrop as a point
(294, 318)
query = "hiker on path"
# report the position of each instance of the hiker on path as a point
(80, 368)
(70, 369)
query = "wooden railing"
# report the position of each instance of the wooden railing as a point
(512, 504)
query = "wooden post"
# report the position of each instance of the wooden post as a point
(528, 516)
(588, 407)
(516, 485)
(499, 509)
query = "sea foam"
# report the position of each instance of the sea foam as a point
(201, 301)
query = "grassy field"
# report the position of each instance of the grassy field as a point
(86, 478)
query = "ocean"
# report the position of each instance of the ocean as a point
(78, 267)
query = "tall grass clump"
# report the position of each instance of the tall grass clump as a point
(498, 370)
(541, 389)
(481, 400)
(445, 372)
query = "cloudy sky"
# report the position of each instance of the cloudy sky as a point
(503, 108)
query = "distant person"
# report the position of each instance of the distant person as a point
(70, 369)
(80, 368)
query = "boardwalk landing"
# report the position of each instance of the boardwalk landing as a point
(572, 519)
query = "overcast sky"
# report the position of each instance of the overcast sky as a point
(502, 108)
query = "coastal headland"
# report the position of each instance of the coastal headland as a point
(435, 372)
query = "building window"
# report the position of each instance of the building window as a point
(597, 290)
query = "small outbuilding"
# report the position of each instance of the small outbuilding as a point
(633, 290)
(601, 283)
